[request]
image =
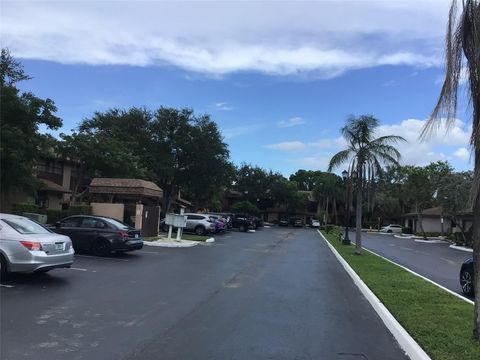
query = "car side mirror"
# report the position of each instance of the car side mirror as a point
(57, 224)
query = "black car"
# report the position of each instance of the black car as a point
(283, 222)
(99, 234)
(242, 222)
(466, 277)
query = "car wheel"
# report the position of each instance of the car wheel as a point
(389, 231)
(101, 247)
(3, 268)
(466, 281)
(200, 230)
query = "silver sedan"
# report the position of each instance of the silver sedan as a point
(26, 246)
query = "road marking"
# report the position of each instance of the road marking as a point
(6, 286)
(78, 269)
(101, 258)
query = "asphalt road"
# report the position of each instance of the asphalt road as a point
(435, 261)
(276, 294)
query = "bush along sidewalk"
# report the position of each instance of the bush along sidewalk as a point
(438, 321)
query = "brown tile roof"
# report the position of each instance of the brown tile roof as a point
(125, 186)
(51, 186)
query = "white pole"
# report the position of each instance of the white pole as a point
(170, 231)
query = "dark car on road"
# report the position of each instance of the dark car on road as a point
(298, 223)
(283, 222)
(98, 234)
(466, 277)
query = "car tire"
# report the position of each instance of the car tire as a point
(199, 230)
(466, 281)
(389, 231)
(101, 247)
(3, 268)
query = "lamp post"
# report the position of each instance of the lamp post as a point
(346, 240)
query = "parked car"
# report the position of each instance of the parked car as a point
(392, 228)
(466, 277)
(242, 222)
(283, 222)
(99, 234)
(315, 223)
(200, 224)
(26, 246)
(298, 223)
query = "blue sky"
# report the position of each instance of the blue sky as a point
(279, 78)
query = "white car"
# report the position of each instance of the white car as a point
(315, 224)
(392, 228)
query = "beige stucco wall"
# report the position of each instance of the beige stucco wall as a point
(106, 209)
(55, 201)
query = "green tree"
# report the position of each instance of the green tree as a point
(463, 52)
(21, 114)
(454, 196)
(365, 155)
(245, 207)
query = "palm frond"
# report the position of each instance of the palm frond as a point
(338, 159)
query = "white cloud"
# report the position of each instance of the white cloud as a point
(462, 153)
(287, 146)
(241, 130)
(446, 146)
(295, 121)
(326, 38)
(222, 106)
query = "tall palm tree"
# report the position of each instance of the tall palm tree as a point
(463, 55)
(365, 156)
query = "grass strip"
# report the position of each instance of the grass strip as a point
(438, 321)
(184, 237)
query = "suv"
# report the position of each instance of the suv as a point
(200, 224)
(242, 222)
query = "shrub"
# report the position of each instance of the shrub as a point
(329, 228)
(21, 208)
(407, 230)
(80, 210)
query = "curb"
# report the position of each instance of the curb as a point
(173, 244)
(431, 241)
(406, 342)
(210, 240)
(461, 248)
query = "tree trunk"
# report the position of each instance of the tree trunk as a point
(358, 234)
(326, 212)
(476, 250)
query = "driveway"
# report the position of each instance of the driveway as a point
(275, 294)
(435, 261)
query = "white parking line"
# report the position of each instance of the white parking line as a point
(78, 269)
(6, 286)
(101, 258)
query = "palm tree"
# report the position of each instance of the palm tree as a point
(463, 56)
(365, 156)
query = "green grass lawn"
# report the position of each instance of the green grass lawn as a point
(184, 237)
(439, 322)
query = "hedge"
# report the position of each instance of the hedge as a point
(53, 215)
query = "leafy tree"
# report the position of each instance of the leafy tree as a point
(21, 114)
(365, 154)
(245, 207)
(454, 196)
(463, 52)
(186, 152)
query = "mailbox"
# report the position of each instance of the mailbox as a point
(176, 220)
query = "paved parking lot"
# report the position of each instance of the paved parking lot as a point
(435, 261)
(275, 294)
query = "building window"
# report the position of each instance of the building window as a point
(42, 200)
(50, 166)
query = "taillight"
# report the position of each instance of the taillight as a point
(123, 234)
(31, 245)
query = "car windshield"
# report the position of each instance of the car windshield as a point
(26, 226)
(117, 223)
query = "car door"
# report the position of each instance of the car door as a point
(90, 229)
(70, 227)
